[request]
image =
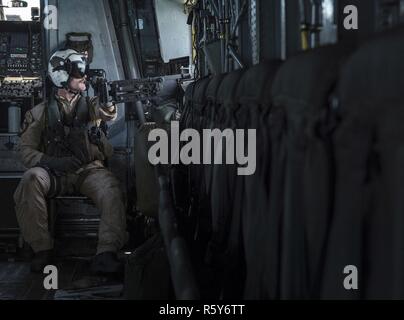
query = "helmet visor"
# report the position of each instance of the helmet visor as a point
(78, 70)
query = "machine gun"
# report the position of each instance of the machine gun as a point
(145, 93)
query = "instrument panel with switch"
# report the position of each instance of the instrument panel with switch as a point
(20, 49)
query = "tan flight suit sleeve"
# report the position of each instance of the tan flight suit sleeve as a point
(101, 112)
(31, 133)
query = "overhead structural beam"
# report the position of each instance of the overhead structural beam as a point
(133, 70)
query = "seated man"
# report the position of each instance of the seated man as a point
(64, 148)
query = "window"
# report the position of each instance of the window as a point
(14, 10)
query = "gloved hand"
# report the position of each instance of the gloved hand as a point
(108, 106)
(65, 164)
(108, 111)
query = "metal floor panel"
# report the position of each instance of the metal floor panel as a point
(75, 282)
(17, 282)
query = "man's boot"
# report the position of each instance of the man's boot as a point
(106, 263)
(41, 260)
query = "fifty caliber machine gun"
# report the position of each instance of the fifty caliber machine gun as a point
(143, 92)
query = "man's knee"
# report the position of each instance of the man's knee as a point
(109, 191)
(110, 180)
(37, 180)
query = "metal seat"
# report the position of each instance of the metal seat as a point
(73, 222)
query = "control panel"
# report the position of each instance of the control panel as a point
(19, 87)
(20, 49)
(22, 72)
